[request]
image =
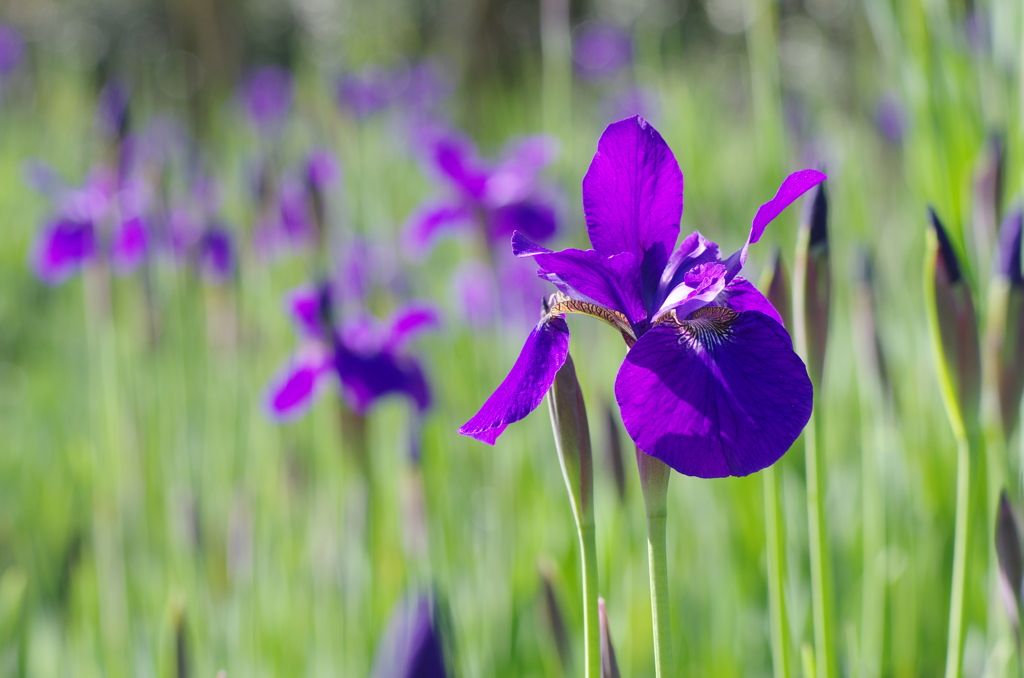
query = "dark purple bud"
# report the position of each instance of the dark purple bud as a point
(812, 282)
(267, 94)
(601, 50)
(215, 257)
(12, 48)
(112, 110)
(182, 656)
(411, 647)
(555, 618)
(1008, 552)
(1005, 336)
(955, 320)
(613, 451)
(988, 195)
(609, 666)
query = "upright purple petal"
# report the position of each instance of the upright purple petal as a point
(633, 192)
(304, 306)
(295, 387)
(741, 295)
(61, 248)
(130, 245)
(215, 257)
(525, 386)
(721, 395)
(612, 282)
(795, 185)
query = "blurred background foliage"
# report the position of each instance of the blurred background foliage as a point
(154, 523)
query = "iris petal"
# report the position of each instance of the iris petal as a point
(407, 322)
(721, 395)
(293, 390)
(612, 282)
(741, 295)
(524, 387)
(426, 222)
(61, 248)
(366, 378)
(633, 192)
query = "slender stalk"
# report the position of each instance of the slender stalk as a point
(820, 599)
(955, 641)
(654, 475)
(591, 627)
(776, 566)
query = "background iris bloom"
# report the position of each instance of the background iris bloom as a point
(711, 384)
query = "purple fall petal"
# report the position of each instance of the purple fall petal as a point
(633, 192)
(609, 281)
(61, 248)
(741, 295)
(406, 323)
(293, 390)
(723, 395)
(303, 306)
(455, 158)
(525, 386)
(130, 244)
(795, 185)
(367, 377)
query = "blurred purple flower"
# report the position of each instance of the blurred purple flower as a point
(601, 50)
(112, 110)
(365, 355)
(267, 95)
(61, 248)
(891, 119)
(499, 198)
(369, 91)
(629, 101)
(710, 385)
(198, 238)
(12, 48)
(411, 646)
(322, 169)
(292, 218)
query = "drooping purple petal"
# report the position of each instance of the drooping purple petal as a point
(534, 219)
(633, 192)
(609, 281)
(795, 185)
(405, 323)
(741, 295)
(295, 387)
(525, 386)
(130, 245)
(61, 248)
(722, 395)
(368, 376)
(428, 220)
(267, 94)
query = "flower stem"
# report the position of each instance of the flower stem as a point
(954, 646)
(591, 627)
(820, 600)
(654, 475)
(776, 566)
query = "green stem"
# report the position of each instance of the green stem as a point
(654, 475)
(776, 567)
(820, 601)
(954, 647)
(591, 628)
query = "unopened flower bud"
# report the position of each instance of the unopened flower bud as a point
(411, 646)
(609, 667)
(868, 342)
(613, 451)
(572, 440)
(775, 285)
(954, 326)
(1005, 327)
(554, 616)
(812, 283)
(1008, 552)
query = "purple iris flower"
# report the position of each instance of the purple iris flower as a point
(501, 198)
(294, 216)
(891, 119)
(411, 646)
(267, 95)
(12, 48)
(710, 384)
(367, 356)
(369, 91)
(197, 237)
(601, 50)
